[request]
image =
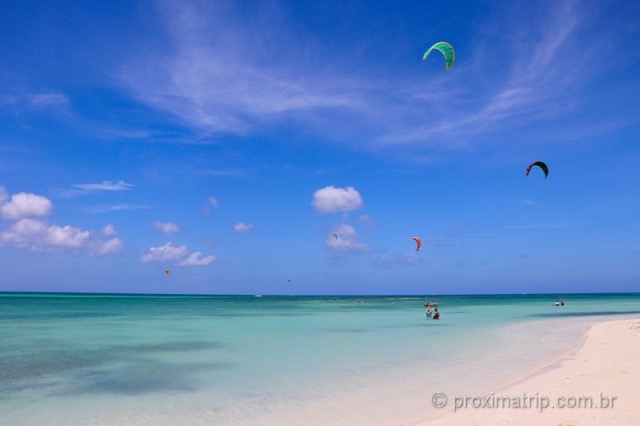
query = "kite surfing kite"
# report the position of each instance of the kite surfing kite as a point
(542, 166)
(332, 235)
(418, 242)
(446, 49)
(168, 272)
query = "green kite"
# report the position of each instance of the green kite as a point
(446, 49)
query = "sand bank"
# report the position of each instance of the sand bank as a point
(596, 384)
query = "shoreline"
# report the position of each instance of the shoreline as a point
(593, 383)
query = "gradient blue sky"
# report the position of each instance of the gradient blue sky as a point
(225, 140)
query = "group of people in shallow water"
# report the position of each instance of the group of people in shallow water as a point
(432, 314)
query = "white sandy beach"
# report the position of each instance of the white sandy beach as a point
(596, 384)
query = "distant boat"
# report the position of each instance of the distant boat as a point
(258, 295)
(559, 302)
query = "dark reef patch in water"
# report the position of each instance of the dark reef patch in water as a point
(50, 358)
(142, 377)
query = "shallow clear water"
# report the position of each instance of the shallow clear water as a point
(105, 359)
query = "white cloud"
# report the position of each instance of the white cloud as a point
(196, 259)
(348, 239)
(115, 208)
(79, 189)
(166, 227)
(105, 185)
(109, 231)
(331, 199)
(29, 230)
(169, 251)
(174, 253)
(25, 233)
(212, 203)
(36, 235)
(23, 205)
(66, 236)
(112, 245)
(242, 227)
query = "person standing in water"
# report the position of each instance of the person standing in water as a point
(436, 314)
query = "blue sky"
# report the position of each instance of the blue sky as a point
(226, 140)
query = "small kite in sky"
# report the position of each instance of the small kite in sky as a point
(446, 49)
(542, 166)
(168, 272)
(418, 242)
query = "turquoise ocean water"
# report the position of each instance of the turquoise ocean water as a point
(142, 359)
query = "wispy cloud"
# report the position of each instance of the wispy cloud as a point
(222, 76)
(36, 101)
(115, 208)
(105, 185)
(79, 189)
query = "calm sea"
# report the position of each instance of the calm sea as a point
(73, 359)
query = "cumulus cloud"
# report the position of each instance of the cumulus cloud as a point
(169, 251)
(24, 205)
(27, 229)
(348, 239)
(109, 231)
(166, 227)
(331, 199)
(37, 235)
(173, 253)
(66, 236)
(112, 245)
(242, 227)
(196, 259)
